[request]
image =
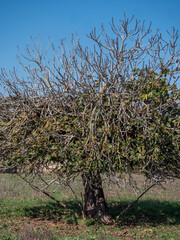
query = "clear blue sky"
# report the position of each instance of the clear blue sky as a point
(57, 19)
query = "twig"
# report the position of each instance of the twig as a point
(133, 203)
(47, 194)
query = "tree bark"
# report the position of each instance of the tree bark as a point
(94, 205)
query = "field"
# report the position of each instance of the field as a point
(26, 214)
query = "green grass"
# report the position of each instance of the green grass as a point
(27, 214)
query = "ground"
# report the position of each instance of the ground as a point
(26, 214)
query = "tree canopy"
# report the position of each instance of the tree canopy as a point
(113, 109)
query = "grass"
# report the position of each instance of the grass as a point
(27, 214)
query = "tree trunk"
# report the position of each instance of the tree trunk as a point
(94, 205)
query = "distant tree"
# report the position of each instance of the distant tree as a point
(110, 111)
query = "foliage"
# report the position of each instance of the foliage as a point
(111, 110)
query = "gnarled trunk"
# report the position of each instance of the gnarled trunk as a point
(94, 202)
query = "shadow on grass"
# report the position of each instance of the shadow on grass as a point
(145, 212)
(52, 210)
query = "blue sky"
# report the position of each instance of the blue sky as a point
(57, 19)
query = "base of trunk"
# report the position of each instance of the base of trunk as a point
(94, 202)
